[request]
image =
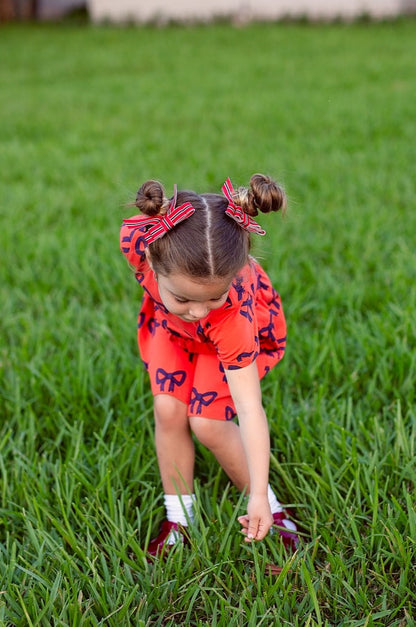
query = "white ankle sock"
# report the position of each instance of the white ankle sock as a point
(275, 506)
(179, 508)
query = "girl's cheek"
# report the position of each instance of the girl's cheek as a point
(175, 308)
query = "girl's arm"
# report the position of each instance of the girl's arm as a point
(245, 390)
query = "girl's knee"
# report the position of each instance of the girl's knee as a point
(169, 412)
(207, 431)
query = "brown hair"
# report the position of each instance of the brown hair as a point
(208, 244)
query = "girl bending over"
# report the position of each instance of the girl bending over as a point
(210, 327)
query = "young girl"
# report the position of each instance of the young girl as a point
(210, 327)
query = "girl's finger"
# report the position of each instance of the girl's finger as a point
(253, 529)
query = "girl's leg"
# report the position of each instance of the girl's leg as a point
(170, 370)
(174, 445)
(176, 456)
(223, 439)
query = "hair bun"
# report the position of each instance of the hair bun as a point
(150, 198)
(267, 194)
(264, 194)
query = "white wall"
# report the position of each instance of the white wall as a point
(182, 10)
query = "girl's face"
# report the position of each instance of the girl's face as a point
(190, 299)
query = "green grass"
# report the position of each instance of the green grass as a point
(87, 114)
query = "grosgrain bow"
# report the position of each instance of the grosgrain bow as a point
(160, 225)
(236, 213)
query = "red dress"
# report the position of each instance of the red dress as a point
(188, 359)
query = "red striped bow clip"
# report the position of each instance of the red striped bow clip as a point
(160, 225)
(236, 213)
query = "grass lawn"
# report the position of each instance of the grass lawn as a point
(87, 114)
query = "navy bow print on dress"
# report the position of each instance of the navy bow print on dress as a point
(173, 378)
(152, 325)
(229, 413)
(158, 226)
(198, 400)
(268, 331)
(236, 213)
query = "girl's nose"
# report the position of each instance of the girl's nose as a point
(198, 311)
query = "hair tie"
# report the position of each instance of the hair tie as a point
(236, 213)
(160, 225)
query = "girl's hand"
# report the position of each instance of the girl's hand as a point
(258, 520)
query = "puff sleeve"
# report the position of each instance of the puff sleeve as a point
(133, 245)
